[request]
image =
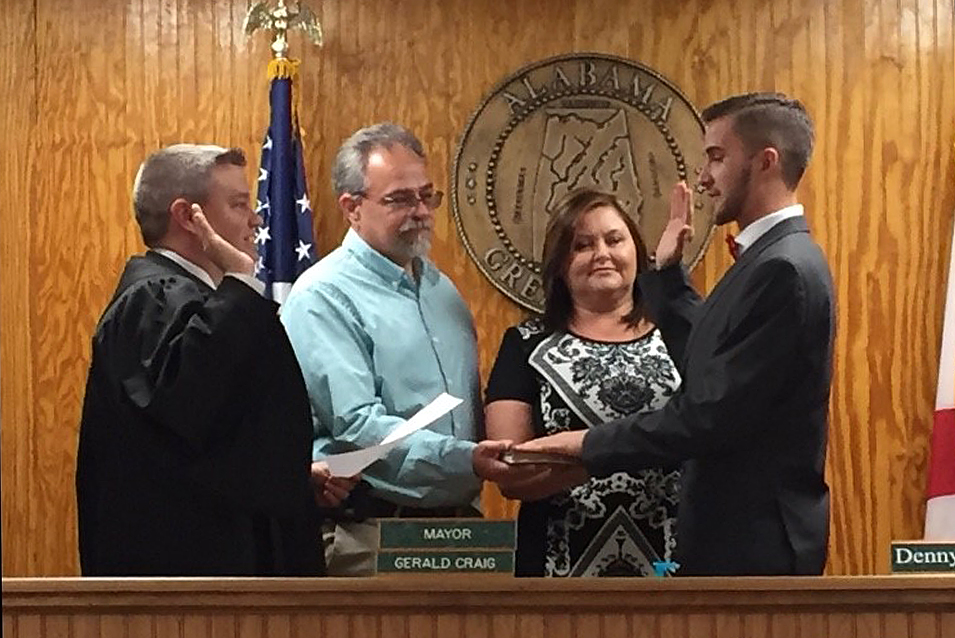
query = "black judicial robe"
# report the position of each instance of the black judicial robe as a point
(750, 421)
(195, 440)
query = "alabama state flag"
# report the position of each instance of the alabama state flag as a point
(940, 511)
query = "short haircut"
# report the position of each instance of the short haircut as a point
(351, 162)
(558, 243)
(770, 120)
(177, 171)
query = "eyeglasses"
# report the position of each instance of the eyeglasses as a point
(407, 200)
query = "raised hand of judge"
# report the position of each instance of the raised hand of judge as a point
(679, 229)
(224, 255)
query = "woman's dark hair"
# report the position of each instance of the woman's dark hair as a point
(558, 243)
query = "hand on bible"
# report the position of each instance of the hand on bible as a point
(524, 481)
(330, 491)
(487, 464)
(224, 255)
(566, 443)
(550, 480)
(679, 229)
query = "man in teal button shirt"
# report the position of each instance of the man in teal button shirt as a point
(379, 332)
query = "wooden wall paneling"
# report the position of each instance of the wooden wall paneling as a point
(700, 625)
(395, 625)
(822, 49)
(756, 625)
(853, 471)
(28, 625)
(672, 624)
(869, 625)
(914, 340)
(799, 607)
(63, 198)
(195, 625)
(324, 94)
(783, 625)
(56, 626)
(202, 39)
(587, 624)
(924, 624)
(170, 119)
(249, 625)
(532, 626)
(476, 625)
(423, 625)
(451, 625)
(840, 166)
(888, 287)
(111, 624)
(93, 86)
(84, 627)
(560, 626)
(280, 626)
(223, 626)
(946, 624)
(17, 124)
(141, 626)
(615, 626)
(730, 626)
(335, 625)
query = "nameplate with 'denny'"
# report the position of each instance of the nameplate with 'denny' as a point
(418, 561)
(923, 556)
(447, 534)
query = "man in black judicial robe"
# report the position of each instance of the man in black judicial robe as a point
(195, 443)
(749, 423)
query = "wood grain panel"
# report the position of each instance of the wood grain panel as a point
(395, 625)
(90, 86)
(140, 626)
(467, 606)
(17, 153)
(869, 625)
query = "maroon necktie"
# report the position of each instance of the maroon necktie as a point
(733, 246)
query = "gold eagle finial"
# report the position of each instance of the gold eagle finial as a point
(279, 20)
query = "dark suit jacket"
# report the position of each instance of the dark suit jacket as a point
(750, 421)
(195, 441)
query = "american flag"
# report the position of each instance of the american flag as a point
(285, 240)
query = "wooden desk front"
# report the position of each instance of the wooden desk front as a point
(460, 605)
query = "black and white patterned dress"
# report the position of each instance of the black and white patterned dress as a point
(614, 526)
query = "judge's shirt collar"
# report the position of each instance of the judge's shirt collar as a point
(188, 265)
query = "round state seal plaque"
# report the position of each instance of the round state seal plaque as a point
(574, 121)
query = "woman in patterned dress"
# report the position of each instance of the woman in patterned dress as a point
(592, 357)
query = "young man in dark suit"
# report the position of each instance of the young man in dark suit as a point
(749, 423)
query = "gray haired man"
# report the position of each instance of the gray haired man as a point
(194, 448)
(379, 332)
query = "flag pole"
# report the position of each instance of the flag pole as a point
(285, 239)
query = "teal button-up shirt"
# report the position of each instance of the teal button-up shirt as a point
(374, 348)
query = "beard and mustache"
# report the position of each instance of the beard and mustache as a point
(419, 243)
(734, 199)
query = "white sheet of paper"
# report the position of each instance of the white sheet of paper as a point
(351, 463)
(427, 415)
